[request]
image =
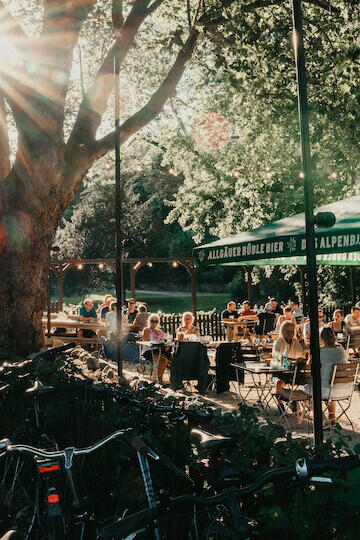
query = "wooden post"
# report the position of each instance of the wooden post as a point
(193, 289)
(132, 281)
(60, 276)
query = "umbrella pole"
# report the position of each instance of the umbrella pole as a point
(309, 217)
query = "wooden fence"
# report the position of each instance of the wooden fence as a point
(209, 324)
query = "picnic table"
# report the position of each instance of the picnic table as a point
(69, 324)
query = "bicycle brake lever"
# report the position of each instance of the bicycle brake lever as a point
(69, 454)
(321, 479)
(141, 447)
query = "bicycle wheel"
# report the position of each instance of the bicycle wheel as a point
(19, 495)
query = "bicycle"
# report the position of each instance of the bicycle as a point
(51, 517)
(221, 516)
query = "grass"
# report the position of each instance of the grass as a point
(162, 302)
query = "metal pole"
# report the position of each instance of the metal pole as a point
(351, 285)
(118, 214)
(49, 297)
(309, 217)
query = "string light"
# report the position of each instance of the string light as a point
(174, 264)
(171, 171)
(101, 266)
(302, 174)
(137, 265)
(333, 175)
(80, 266)
(149, 264)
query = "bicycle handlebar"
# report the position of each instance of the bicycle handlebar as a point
(150, 406)
(8, 369)
(302, 469)
(67, 453)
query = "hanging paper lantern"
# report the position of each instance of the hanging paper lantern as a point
(212, 131)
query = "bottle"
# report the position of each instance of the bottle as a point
(285, 360)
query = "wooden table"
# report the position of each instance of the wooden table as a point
(232, 326)
(69, 324)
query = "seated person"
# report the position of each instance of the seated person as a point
(287, 316)
(87, 313)
(131, 311)
(294, 348)
(275, 308)
(331, 353)
(230, 313)
(266, 321)
(187, 327)
(306, 331)
(247, 314)
(141, 319)
(106, 308)
(105, 303)
(297, 312)
(162, 354)
(353, 320)
(338, 324)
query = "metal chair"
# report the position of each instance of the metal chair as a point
(342, 374)
(294, 395)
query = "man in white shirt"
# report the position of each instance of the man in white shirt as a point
(353, 319)
(307, 326)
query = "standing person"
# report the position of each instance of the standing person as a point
(131, 311)
(286, 316)
(87, 313)
(297, 312)
(160, 355)
(187, 327)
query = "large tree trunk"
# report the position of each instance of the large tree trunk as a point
(27, 230)
(23, 285)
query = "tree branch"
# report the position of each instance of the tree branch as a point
(4, 141)
(96, 99)
(54, 48)
(324, 5)
(155, 105)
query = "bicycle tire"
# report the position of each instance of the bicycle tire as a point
(19, 491)
(55, 526)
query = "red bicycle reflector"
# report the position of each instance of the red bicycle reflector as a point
(53, 498)
(49, 468)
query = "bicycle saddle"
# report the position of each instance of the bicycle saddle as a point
(39, 389)
(209, 440)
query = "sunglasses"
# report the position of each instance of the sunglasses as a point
(131, 303)
(154, 320)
